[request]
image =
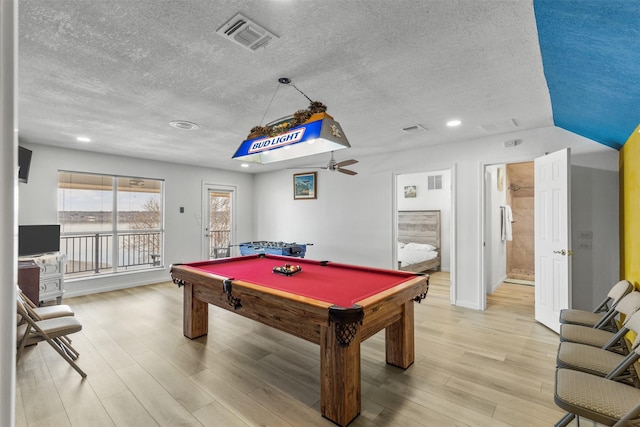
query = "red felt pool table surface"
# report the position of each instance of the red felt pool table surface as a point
(335, 283)
(336, 306)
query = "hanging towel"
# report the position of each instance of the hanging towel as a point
(506, 218)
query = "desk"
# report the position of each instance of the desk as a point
(51, 278)
(334, 305)
(29, 280)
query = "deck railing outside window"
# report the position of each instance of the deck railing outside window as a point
(219, 243)
(89, 253)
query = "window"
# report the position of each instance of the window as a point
(434, 182)
(109, 223)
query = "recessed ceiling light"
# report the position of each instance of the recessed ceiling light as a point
(244, 165)
(83, 139)
(183, 125)
(453, 123)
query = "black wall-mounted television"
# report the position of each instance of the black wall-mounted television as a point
(24, 164)
(38, 239)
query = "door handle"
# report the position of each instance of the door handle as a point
(562, 252)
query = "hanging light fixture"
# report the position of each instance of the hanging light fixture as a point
(307, 132)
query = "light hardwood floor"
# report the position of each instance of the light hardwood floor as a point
(472, 368)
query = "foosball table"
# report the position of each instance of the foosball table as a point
(274, 248)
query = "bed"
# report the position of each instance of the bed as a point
(418, 240)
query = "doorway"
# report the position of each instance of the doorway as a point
(218, 213)
(552, 229)
(424, 209)
(520, 253)
(509, 225)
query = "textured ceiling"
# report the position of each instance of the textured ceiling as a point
(119, 71)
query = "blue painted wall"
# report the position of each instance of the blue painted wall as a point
(591, 58)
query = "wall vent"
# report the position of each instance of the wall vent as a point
(243, 31)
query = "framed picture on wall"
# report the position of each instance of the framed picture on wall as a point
(305, 186)
(410, 191)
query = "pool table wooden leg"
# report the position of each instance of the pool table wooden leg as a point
(339, 377)
(195, 322)
(399, 339)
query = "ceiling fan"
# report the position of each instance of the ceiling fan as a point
(338, 166)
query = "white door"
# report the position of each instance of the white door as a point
(219, 216)
(552, 237)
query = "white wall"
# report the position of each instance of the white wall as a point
(595, 264)
(351, 221)
(430, 200)
(352, 218)
(184, 232)
(8, 214)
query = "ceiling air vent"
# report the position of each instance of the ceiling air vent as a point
(503, 126)
(414, 129)
(245, 32)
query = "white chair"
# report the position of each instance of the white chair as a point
(53, 331)
(46, 312)
(599, 399)
(602, 362)
(602, 317)
(595, 337)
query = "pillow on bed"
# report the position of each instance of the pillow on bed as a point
(401, 245)
(420, 246)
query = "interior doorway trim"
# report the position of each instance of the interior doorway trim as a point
(452, 223)
(483, 258)
(204, 216)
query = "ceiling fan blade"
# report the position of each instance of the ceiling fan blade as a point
(347, 162)
(308, 167)
(347, 171)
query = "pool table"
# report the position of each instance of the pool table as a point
(334, 305)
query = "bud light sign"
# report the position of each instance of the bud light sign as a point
(253, 150)
(288, 138)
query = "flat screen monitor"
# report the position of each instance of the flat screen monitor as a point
(24, 164)
(38, 239)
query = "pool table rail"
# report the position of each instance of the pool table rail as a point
(316, 321)
(281, 309)
(271, 307)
